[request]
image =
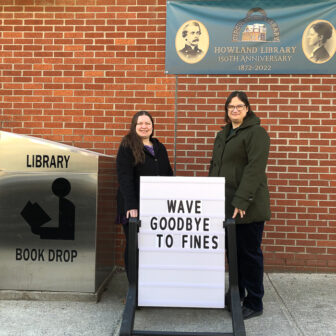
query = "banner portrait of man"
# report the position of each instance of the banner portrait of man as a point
(192, 41)
(319, 41)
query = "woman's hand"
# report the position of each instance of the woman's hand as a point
(238, 211)
(132, 213)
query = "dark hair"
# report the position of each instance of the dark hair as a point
(243, 97)
(323, 29)
(185, 31)
(132, 139)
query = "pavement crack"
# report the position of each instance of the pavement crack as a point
(290, 317)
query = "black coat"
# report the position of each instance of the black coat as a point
(320, 55)
(242, 158)
(129, 174)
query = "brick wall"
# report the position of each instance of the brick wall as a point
(75, 71)
(298, 113)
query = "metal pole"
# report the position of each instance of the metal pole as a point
(175, 126)
(236, 311)
(127, 324)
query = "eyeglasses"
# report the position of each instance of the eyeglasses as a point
(144, 124)
(238, 107)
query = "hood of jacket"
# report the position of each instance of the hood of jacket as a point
(240, 155)
(250, 120)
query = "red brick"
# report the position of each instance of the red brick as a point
(80, 84)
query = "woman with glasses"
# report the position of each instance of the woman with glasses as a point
(240, 155)
(139, 154)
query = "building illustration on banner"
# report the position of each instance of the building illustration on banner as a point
(253, 28)
(255, 32)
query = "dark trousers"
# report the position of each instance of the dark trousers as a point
(250, 262)
(125, 226)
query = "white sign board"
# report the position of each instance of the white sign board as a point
(181, 242)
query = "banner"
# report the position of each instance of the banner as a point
(251, 37)
(181, 242)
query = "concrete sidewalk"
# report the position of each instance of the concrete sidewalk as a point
(294, 305)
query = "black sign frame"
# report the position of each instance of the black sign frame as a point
(127, 325)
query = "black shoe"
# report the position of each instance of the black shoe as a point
(249, 313)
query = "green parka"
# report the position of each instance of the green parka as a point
(241, 157)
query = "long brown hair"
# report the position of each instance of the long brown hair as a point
(132, 139)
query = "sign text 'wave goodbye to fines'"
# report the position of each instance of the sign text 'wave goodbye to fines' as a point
(194, 224)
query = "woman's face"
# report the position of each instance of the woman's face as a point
(144, 127)
(313, 37)
(237, 111)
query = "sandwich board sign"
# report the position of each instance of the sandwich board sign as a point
(181, 242)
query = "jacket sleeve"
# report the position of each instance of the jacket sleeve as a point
(211, 168)
(169, 170)
(125, 171)
(257, 150)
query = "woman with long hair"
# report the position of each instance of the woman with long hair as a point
(139, 154)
